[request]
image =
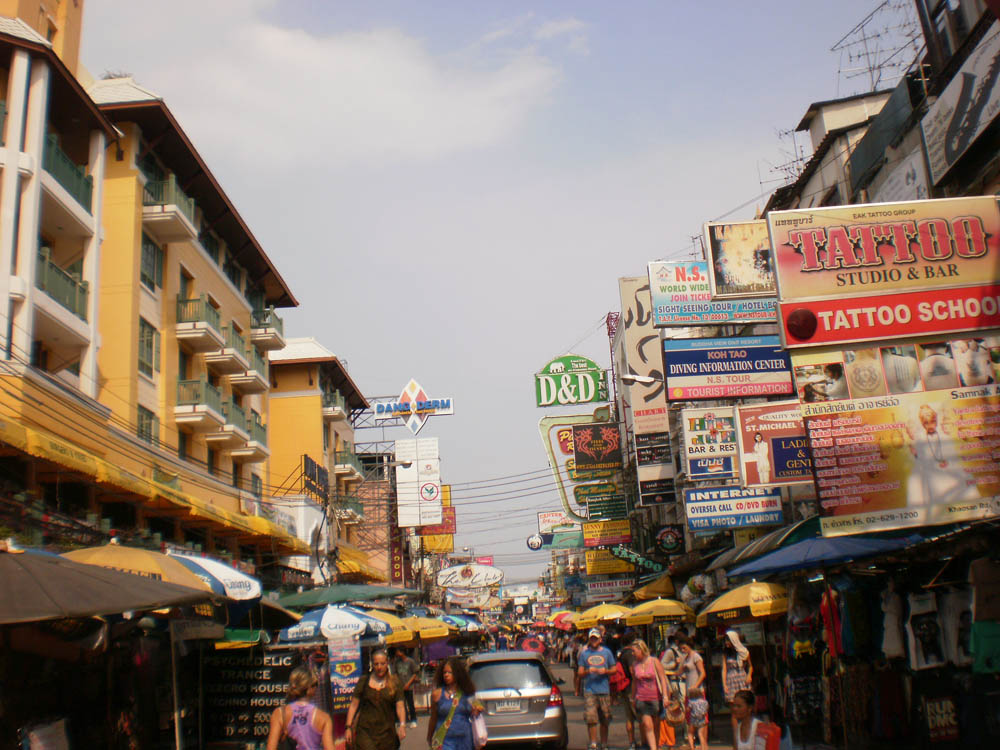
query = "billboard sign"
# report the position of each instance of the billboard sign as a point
(966, 107)
(413, 407)
(670, 539)
(570, 380)
(871, 272)
(609, 590)
(597, 446)
(448, 525)
(470, 576)
(552, 521)
(726, 368)
(656, 484)
(602, 562)
(709, 442)
(606, 533)
(774, 449)
(730, 507)
(681, 294)
(740, 255)
(418, 483)
(557, 439)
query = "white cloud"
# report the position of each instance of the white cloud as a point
(565, 27)
(291, 95)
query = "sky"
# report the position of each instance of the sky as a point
(452, 189)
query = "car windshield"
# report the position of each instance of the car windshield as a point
(509, 674)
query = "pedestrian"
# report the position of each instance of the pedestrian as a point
(627, 658)
(407, 672)
(376, 715)
(453, 707)
(309, 727)
(650, 692)
(581, 644)
(697, 718)
(671, 661)
(746, 724)
(596, 663)
(692, 666)
(737, 671)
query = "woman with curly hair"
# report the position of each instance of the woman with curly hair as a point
(453, 706)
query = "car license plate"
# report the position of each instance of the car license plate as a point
(507, 706)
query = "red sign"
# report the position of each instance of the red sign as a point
(487, 560)
(448, 524)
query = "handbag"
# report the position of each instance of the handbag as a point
(479, 736)
(675, 712)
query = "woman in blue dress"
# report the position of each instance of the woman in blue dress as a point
(453, 705)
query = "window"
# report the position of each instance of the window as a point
(148, 164)
(183, 364)
(212, 461)
(236, 474)
(151, 268)
(256, 486)
(147, 426)
(149, 348)
(182, 445)
(184, 291)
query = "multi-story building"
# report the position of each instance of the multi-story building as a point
(314, 469)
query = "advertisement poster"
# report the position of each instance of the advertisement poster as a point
(656, 484)
(345, 670)
(922, 450)
(681, 294)
(597, 446)
(741, 259)
(869, 272)
(731, 507)
(670, 539)
(557, 439)
(448, 524)
(242, 688)
(418, 484)
(774, 449)
(726, 368)
(605, 533)
(709, 442)
(569, 380)
(550, 522)
(964, 109)
(609, 590)
(601, 562)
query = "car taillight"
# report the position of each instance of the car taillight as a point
(555, 697)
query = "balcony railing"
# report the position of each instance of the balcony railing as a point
(65, 288)
(346, 505)
(199, 393)
(350, 458)
(71, 176)
(198, 311)
(167, 193)
(233, 339)
(267, 319)
(258, 430)
(234, 414)
(257, 361)
(333, 400)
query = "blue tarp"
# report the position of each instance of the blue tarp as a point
(822, 551)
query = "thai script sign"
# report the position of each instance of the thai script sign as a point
(709, 442)
(569, 380)
(682, 296)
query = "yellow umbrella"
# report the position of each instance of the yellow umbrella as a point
(400, 635)
(601, 613)
(662, 586)
(428, 629)
(659, 610)
(745, 603)
(141, 562)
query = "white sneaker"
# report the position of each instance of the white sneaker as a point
(412, 725)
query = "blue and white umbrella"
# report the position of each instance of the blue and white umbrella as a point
(335, 622)
(224, 579)
(465, 624)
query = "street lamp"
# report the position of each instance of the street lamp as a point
(469, 552)
(640, 379)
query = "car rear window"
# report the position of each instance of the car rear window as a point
(509, 674)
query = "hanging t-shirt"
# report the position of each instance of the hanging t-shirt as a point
(984, 640)
(923, 632)
(955, 609)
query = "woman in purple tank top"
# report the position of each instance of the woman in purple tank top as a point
(307, 726)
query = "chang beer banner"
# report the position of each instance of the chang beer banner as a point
(569, 380)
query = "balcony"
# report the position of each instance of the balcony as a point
(267, 330)
(73, 178)
(199, 405)
(232, 434)
(167, 211)
(254, 378)
(347, 464)
(255, 449)
(349, 509)
(65, 288)
(198, 325)
(334, 406)
(232, 357)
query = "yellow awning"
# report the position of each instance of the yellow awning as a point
(116, 476)
(14, 434)
(58, 451)
(352, 560)
(661, 587)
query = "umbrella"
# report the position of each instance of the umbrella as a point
(400, 633)
(563, 620)
(532, 643)
(745, 603)
(771, 541)
(601, 613)
(339, 593)
(552, 616)
(428, 630)
(48, 587)
(659, 610)
(223, 579)
(465, 624)
(821, 551)
(142, 562)
(662, 586)
(334, 622)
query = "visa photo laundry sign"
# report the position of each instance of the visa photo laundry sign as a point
(569, 380)
(731, 507)
(413, 407)
(681, 294)
(726, 368)
(709, 442)
(871, 272)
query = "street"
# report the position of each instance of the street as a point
(617, 737)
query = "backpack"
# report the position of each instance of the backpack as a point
(618, 680)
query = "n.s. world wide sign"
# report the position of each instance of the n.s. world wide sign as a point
(570, 380)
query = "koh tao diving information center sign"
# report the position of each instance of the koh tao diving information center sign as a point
(732, 507)
(870, 272)
(570, 380)
(726, 368)
(681, 294)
